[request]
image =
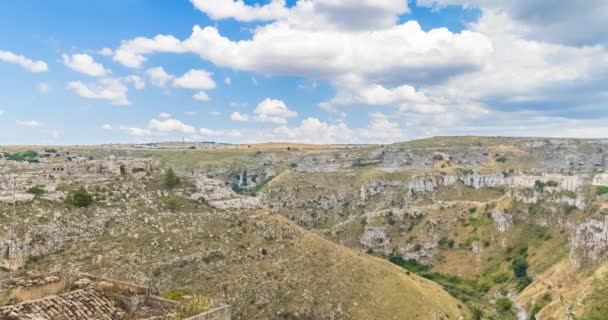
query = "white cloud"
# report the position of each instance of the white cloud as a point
(201, 96)
(195, 79)
(137, 81)
(170, 125)
(565, 22)
(274, 111)
(313, 130)
(381, 129)
(29, 123)
(106, 52)
(190, 113)
(30, 65)
(532, 55)
(84, 63)
(215, 113)
(43, 87)
(164, 115)
(219, 133)
(158, 76)
(140, 132)
(237, 116)
(130, 53)
(339, 14)
(222, 9)
(106, 89)
(107, 126)
(228, 81)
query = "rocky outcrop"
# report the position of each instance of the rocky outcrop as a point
(210, 189)
(374, 187)
(600, 180)
(589, 241)
(375, 238)
(502, 220)
(430, 182)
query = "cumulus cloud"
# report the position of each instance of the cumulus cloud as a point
(564, 22)
(28, 64)
(237, 116)
(313, 130)
(224, 9)
(381, 129)
(29, 123)
(195, 79)
(164, 115)
(136, 81)
(340, 14)
(140, 132)
(520, 55)
(85, 64)
(219, 133)
(170, 125)
(158, 76)
(109, 89)
(106, 126)
(201, 96)
(131, 53)
(274, 111)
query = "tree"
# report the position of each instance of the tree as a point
(80, 198)
(520, 267)
(171, 179)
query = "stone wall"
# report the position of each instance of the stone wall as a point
(222, 312)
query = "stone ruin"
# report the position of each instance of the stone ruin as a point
(52, 297)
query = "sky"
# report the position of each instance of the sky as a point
(311, 71)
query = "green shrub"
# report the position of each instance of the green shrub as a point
(500, 277)
(472, 210)
(80, 198)
(522, 283)
(501, 159)
(37, 191)
(504, 304)
(520, 267)
(171, 203)
(600, 190)
(552, 183)
(198, 304)
(171, 179)
(539, 185)
(410, 264)
(174, 294)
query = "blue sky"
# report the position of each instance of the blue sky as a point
(317, 71)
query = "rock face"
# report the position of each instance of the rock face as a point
(502, 220)
(14, 253)
(430, 182)
(375, 187)
(589, 241)
(211, 189)
(600, 180)
(375, 238)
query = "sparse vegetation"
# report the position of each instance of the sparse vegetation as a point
(36, 191)
(600, 190)
(171, 179)
(80, 198)
(504, 304)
